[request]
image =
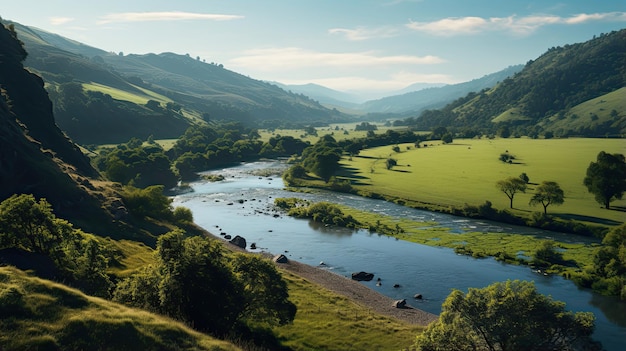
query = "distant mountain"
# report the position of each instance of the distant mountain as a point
(416, 87)
(577, 89)
(115, 104)
(435, 97)
(325, 96)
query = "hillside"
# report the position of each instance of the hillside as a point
(552, 94)
(435, 97)
(59, 318)
(183, 91)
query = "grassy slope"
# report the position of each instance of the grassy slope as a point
(47, 315)
(323, 316)
(467, 170)
(118, 94)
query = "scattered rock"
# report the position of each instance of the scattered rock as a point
(362, 276)
(399, 303)
(396, 285)
(418, 296)
(227, 237)
(281, 259)
(239, 241)
(253, 246)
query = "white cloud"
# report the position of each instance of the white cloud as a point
(297, 58)
(363, 33)
(514, 24)
(164, 16)
(57, 21)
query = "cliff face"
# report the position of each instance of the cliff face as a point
(26, 99)
(35, 157)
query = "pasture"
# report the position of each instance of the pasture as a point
(466, 171)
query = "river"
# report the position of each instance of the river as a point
(242, 204)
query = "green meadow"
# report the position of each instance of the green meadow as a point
(118, 94)
(466, 171)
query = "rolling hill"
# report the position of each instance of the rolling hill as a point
(572, 90)
(113, 104)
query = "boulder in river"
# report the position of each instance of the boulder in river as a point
(418, 296)
(362, 276)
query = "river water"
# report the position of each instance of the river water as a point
(242, 204)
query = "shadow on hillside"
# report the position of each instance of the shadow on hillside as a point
(401, 171)
(618, 208)
(367, 157)
(583, 218)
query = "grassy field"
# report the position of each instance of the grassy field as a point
(327, 321)
(465, 172)
(118, 94)
(339, 131)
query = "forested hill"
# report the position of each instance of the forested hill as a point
(103, 97)
(570, 90)
(435, 97)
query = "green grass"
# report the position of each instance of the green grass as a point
(465, 172)
(503, 246)
(602, 106)
(337, 131)
(327, 321)
(38, 314)
(118, 94)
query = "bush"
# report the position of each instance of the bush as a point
(183, 215)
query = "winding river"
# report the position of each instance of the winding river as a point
(242, 204)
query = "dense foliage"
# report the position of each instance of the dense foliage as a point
(30, 226)
(508, 316)
(137, 165)
(196, 281)
(549, 86)
(323, 212)
(547, 193)
(606, 178)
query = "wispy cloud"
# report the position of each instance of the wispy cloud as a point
(292, 57)
(164, 16)
(518, 25)
(363, 33)
(57, 21)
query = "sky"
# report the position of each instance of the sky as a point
(366, 47)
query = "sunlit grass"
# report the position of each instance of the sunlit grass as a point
(327, 321)
(40, 314)
(466, 171)
(134, 97)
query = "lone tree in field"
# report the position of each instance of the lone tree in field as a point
(507, 316)
(546, 194)
(510, 187)
(606, 178)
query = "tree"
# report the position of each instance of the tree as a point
(507, 316)
(606, 178)
(524, 177)
(546, 194)
(610, 263)
(390, 163)
(510, 187)
(447, 138)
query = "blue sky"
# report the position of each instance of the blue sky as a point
(363, 46)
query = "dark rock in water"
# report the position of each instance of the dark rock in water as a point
(253, 246)
(396, 285)
(362, 276)
(399, 303)
(281, 259)
(227, 236)
(418, 296)
(239, 241)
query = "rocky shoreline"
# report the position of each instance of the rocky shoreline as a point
(358, 293)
